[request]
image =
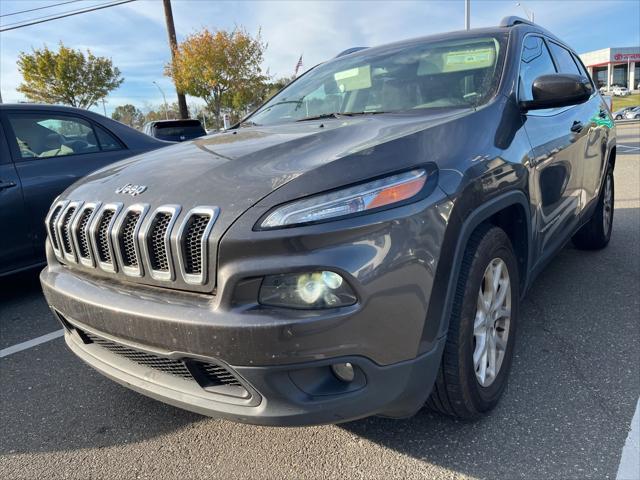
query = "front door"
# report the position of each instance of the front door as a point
(558, 138)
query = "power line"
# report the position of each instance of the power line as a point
(16, 25)
(39, 8)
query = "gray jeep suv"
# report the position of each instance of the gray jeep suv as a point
(358, 245)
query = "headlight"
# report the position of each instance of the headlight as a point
(311, 290)
(360, 198)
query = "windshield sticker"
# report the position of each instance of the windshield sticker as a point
(354, 78)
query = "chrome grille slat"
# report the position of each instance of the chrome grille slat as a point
(163, 245)
(193, 243)
(66, 234)
(156, 242)
(102, 240)
(83, 235)
(126, 239)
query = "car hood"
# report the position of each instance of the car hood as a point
(235, 169)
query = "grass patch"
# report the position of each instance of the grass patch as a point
(632, 100)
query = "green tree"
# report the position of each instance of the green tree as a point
(67, 76)
(222, 68)
(129, 115)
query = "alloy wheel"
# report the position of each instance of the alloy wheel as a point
(607, 204)
(491, 324)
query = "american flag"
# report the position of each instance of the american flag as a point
(298, 65)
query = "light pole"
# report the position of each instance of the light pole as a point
(166, 107)
(467, 14)
(529, 13)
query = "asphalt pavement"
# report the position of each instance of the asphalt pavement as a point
(566, 413)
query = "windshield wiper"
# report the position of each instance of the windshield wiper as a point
(321, 116)
(338, 115)
(249, 123)
(353, 114)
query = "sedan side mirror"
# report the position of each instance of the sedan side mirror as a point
(558, 90)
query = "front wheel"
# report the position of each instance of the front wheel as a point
(479, 348)
(596, 233)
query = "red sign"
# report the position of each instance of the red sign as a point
(626, 56)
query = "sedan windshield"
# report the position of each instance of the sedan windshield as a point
(458, 73)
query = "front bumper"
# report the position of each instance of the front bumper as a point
(280, 393)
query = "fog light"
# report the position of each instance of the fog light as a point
(344, 371)
(320, 289)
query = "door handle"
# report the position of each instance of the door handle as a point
(577, 127)
(4, 185)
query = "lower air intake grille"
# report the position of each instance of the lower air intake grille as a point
(206, 374)
(193, 243)
(156, 242)
(104, 254)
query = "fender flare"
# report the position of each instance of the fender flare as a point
(468, 225)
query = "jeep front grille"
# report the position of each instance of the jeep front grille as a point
(156, 246)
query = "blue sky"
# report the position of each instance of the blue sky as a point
(134, 34)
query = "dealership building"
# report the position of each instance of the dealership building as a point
(614, 66)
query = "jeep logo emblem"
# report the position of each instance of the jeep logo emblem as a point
(130, 189)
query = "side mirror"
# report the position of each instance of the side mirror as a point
(558, 90)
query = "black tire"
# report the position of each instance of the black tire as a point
(457, 391)
(596, 233)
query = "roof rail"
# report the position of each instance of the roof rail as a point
(350, 50)
(513, 20)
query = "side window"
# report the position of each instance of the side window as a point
(535, 61)
(564, 60)
(107, 141)
(44, 135)
(583, 71)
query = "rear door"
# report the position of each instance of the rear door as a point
(558, 138)
(51, 151)
(16, 249)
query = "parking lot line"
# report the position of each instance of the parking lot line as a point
(629, 468)
(31, 343)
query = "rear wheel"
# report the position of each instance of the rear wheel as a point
(479, 348)
(596, 233)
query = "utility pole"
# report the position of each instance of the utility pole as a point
(173, 44)
(104, 108)
(467, 14)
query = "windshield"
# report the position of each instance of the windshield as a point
(447, 74)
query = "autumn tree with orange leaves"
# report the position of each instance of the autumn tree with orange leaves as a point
(223, 68)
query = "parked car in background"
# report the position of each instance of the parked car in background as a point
(358, 245)
(633, 114)
(619, 114)
(620, 91)
(175, 130)
(43, 149)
